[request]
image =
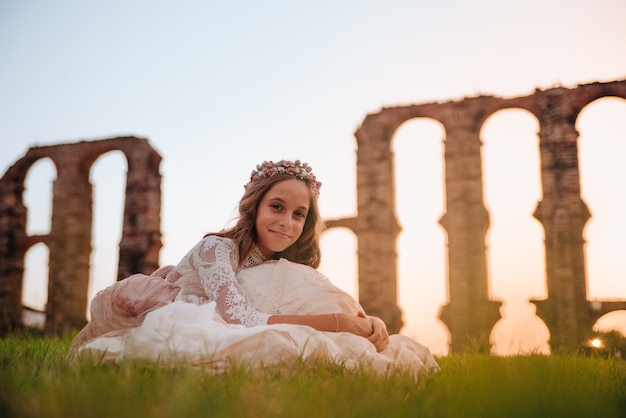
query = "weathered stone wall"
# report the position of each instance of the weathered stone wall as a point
(469, 314)
(69, 240)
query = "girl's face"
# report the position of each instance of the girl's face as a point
(281, 215)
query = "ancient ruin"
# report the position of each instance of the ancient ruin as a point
(469, 314)
(69, 240)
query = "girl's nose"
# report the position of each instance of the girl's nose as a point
(285, 220)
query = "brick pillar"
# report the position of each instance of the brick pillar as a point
(141, 231)
(469, 315)
(376, 224)
(563, 214)
(70, 247)
(12, 248)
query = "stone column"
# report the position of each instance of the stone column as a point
(12, 248)
(141, 232)
(376, 223)
(70, 247)
(469, 315)
(563, 214)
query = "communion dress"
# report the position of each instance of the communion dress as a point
(204, 313)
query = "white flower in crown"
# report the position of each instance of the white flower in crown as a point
(303, 171)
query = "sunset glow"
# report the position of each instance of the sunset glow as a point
(219, 87)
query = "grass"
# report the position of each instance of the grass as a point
(37, 381)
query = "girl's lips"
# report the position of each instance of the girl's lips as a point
(280, 234)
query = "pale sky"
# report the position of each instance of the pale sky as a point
(218, 87)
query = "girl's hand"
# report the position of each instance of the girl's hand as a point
(356, 324)
(379, 336)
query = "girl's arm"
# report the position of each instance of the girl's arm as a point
(214, 260)
(369, 327)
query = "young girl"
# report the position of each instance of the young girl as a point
(285, 303)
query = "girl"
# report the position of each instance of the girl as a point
(278, 220)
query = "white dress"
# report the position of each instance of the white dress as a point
(180, 330)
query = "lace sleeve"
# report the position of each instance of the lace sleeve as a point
(214, 259)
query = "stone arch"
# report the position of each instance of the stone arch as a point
(377, 227)
(514, 241)
(471, 315)
(614, 320)
(602, 146)
(35, 282)
(38, 196)
(108, 177)
(511, 164)
(343, 256)
(38, 204)
(525, 334)
(69, 239)
(418, 146)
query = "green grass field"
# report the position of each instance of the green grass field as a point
(37, 381)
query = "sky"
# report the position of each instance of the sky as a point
(217, 87)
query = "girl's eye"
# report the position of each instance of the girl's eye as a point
(275, 206)
(300, 214)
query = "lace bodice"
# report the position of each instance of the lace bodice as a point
(208, 273)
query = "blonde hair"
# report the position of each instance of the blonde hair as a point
(306, 250)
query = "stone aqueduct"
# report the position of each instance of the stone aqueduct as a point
(469, 314)
(69, 240)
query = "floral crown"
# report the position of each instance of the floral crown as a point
(303, 171)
